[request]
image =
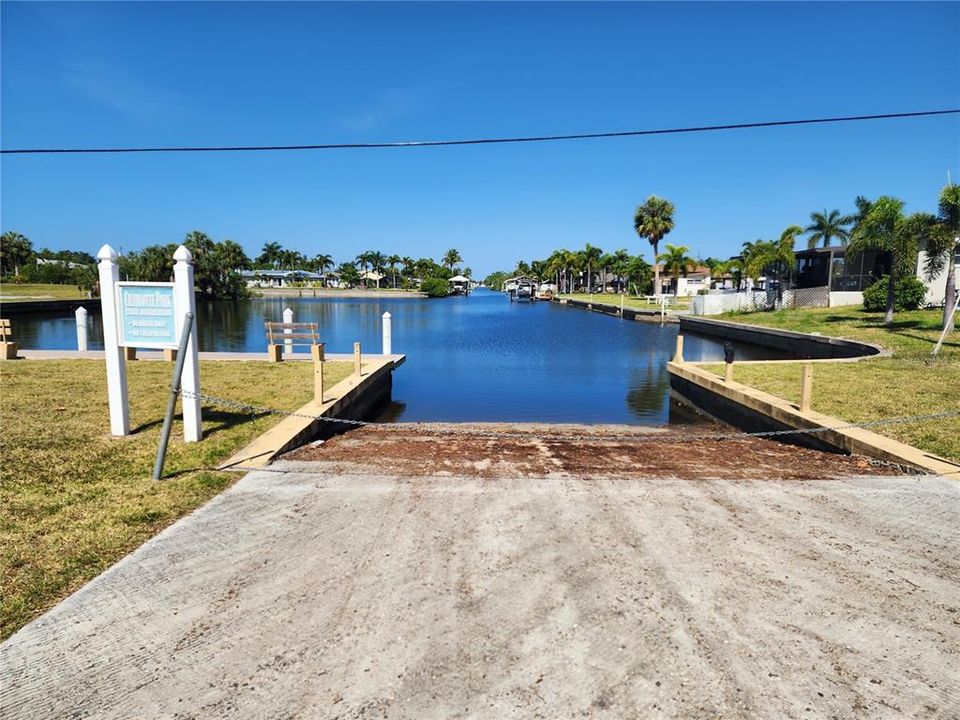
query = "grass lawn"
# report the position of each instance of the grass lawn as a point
(74, 500)
(682, 303)
(11, 292)
(906, 384)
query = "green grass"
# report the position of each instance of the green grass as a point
(682, 303)
(11, 292)
(908, 383)
(74, 500)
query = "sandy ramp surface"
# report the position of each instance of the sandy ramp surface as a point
(317, 595)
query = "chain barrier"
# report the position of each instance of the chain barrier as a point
(447, 429)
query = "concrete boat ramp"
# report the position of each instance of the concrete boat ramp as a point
(398, 574)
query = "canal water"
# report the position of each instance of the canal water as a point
(476, 358)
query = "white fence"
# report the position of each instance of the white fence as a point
(753, 300)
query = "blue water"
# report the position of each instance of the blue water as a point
(479, 358)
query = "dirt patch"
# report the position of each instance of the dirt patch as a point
(499, 450)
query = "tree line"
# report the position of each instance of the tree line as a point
(217, 265)
(880, 225)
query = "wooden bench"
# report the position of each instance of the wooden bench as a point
(289, 334)
(9, 351)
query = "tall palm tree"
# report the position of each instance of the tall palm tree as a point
(885, 228)
(377, 262)
(782, 256)
(321, 262)
(450, 258)
(619, 262)
(393, 261)
(654, 220)
(591, 260)
(826, 225)
(943, 248)
(676, 262)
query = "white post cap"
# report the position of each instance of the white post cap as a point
(107, 253)
(182, 254)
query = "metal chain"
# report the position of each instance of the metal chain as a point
(647, 437)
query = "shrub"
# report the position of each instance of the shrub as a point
(435, 287)
(908, 294)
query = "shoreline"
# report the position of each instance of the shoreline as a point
(329, 292)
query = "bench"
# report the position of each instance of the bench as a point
(9, 351)
(289, 334)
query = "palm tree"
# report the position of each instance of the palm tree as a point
(231, 257)
(943, 248)
(782, 256)
(755, 257)
(676, 262)
(885, 228)
(522, 268)
(321, 262)
(270, 255)
(15, 250)
(619, 262)
(591, 258)
(654, 220)
(719, 271)
(393, 261)
(826, 225)
(450, 258)
(377, 261)
(363, 261)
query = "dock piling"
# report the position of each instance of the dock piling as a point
(81, 329)
(288, 318)
(387, 334)
(356, 359)
(678, 355)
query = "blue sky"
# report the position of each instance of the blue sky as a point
(108, 74)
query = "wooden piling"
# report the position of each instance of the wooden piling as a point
(678, 355)
(317, 353)
(806, 387)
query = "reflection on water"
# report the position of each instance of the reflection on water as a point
(479, 358)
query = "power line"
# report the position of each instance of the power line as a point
(478, 141)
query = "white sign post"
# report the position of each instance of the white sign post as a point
(116, 362)
(148, 315)
(186, 302)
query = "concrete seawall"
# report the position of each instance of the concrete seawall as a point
(800, 345)
(29, 307)
(752, 410)
(638, 314)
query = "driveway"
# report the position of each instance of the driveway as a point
(316, 592)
